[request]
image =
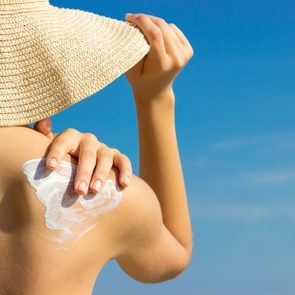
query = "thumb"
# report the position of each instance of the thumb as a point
(44, 126)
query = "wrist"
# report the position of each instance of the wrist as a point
(162, 99)
(156, 111)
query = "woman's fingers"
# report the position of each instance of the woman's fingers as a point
(103, 167)
(95, 159)
(61, 145)
(152, 32)
(86, 163)
(125, 167)
(182, 38)
(178, 33)
(176, 48)
(170, 38)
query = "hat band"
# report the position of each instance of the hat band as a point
(18, 6)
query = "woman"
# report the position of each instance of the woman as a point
(147, 231)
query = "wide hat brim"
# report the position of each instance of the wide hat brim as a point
(55, 57)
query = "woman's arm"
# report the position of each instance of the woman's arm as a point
(160, 164)
(157, 244)
(151, 81)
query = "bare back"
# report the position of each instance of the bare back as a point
(26, 250)
(31, 262)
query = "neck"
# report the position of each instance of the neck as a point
(16, 6)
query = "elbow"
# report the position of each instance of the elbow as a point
(181, 267)
(165, 277)
(171, 273)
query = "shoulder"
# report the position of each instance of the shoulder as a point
(20, 144)
(21, 167)
(140, 214)
(147, 251)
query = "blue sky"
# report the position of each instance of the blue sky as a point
(236, 135)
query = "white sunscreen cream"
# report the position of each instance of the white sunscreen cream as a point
(67, 213)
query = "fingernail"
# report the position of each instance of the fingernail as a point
(128, 14)
(126, 180)
(52, 163)
(97, 184)
(83, 186)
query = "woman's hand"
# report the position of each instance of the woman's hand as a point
(95, 159)
(169, 52)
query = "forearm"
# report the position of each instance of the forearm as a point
(160, 164)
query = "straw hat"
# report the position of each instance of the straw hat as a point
(53, 57)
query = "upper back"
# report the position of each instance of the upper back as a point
(132, 232)
(55, 239)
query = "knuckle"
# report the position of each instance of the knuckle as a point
(58, 141)
(89, 136)
(179, 63)
(126, 159)
(187, 56)
(156, 34)
(115, 151)
(71, 130)
(141, 17)
(177, 66)
(160, 22)
(102, 146)
(102, 149)
(166, 67)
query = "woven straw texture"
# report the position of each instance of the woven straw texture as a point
(53, 57)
